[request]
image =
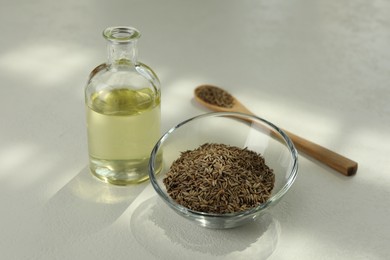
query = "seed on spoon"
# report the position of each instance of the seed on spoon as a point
(215, 96)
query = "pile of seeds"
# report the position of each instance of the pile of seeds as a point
(215, 96)
(218, 178)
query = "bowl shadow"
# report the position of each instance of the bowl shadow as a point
(167, 235)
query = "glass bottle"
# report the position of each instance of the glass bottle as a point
(122, 99)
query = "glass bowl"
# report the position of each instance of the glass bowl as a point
(234, 129)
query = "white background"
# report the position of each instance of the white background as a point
(320, 69)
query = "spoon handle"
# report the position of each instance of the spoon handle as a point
(332, 159)
(324, 155)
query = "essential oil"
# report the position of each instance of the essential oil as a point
(123, 126)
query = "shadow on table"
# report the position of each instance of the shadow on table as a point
(167, 235)
(86, 205)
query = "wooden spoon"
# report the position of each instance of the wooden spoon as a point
(220, 100)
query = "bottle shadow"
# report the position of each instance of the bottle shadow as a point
(86, 205)
(156, 227)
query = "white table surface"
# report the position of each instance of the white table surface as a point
(320, 69)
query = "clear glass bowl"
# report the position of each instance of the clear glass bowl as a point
(233, 129)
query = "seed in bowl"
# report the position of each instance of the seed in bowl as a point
(218, 178)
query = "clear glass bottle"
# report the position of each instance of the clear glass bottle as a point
(122, 99)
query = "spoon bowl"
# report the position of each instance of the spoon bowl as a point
(208, 96)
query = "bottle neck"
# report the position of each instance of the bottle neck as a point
(122, 53)
(122, 45)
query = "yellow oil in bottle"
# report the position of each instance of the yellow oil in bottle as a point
(123, 126)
